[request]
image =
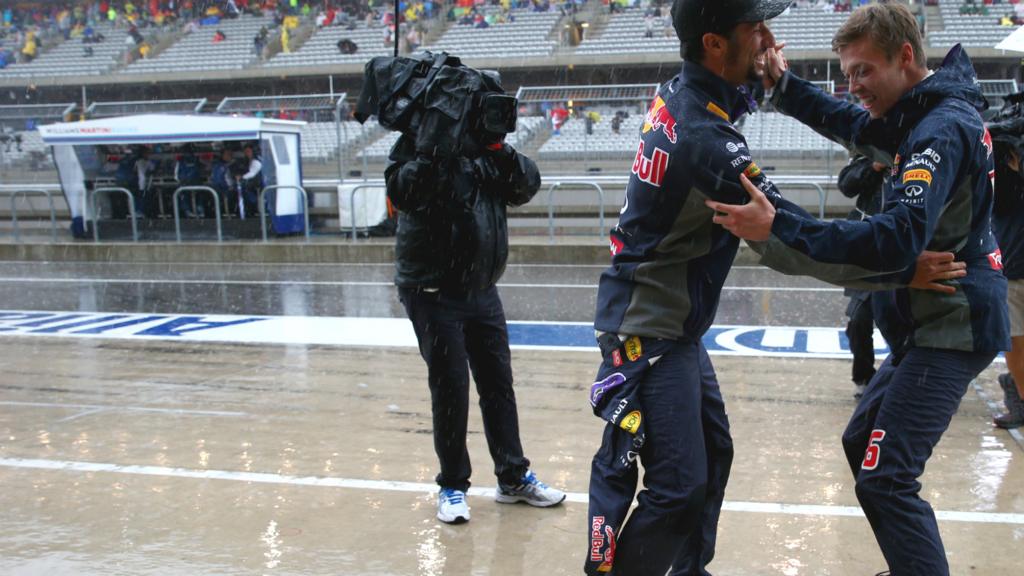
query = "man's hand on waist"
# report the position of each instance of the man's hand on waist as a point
(935, 266)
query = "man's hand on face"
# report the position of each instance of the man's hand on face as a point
(751, 221)
(774, 66)
(934, 266)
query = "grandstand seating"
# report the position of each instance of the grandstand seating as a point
(971, 30)
(197, 52)
(320, 139)
(379, 149)
(573, 141)
(526, 36)
(775, 134)
(807, 28)
(527, 128)
(321, 48)
(68, 58)
(800, 28)
(625, 34)
(31, 141)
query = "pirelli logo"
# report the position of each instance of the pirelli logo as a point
(919, 174)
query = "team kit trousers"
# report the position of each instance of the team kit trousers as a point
(686, 454)
(456, 335)
(905, 410)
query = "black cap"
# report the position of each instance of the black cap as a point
(694, 18)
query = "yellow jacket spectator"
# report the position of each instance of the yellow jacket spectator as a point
(284, 40)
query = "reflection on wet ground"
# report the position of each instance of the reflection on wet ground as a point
(753, 295)
(127, 457)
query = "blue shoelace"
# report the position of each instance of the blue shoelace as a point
(452, 496)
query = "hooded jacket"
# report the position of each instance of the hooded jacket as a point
(669, 260)
(452, 223)
(938, 196)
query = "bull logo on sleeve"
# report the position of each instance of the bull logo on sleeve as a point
(658, 118)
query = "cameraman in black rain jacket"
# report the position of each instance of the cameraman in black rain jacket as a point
(451, 250)
(452, 230)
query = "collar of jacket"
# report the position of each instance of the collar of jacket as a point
(721, 96)
(955, 78)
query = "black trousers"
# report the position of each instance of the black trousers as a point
(457, 334)
(860, 334)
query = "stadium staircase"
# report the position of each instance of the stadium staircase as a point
(933, 19)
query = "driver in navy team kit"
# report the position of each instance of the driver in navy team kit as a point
(656, 388)
(938, 196)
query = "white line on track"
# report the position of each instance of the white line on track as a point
(415, 487)
(103, 408)
(15, 280)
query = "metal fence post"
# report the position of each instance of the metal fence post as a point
(177, 216)
(95, 211)
(263, 208)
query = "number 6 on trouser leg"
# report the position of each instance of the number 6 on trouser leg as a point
(904, 412)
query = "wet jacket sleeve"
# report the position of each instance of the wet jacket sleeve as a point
(858, 177)
(413, 184)
(879, 252)
(827, 115)
(512, 176)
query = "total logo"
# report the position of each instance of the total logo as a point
(658, 118)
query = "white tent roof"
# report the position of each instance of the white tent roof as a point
(1014, 42)
(159, 128)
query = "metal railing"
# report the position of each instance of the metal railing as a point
(551, 205)
(14, 210)
(177, 210)
(352, 202)
(263, 208)
(95, 212)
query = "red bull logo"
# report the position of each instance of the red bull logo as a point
(600, 537)
(658, 118)
(650, 170)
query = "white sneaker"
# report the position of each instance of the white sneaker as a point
(530, 490)
(452, 507)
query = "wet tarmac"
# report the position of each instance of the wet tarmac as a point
(753, 294)
(163, 457)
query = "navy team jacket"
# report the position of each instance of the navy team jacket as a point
(669, 260)
(938, 197)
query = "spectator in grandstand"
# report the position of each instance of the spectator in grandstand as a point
(231, 9)
(285, 40)
(219, 36)
(134, 35)
(450, 251)
(259, 41)
(347, 46)
(617, 122)
(414, 38)
(938, 197)
(861, 179)
(30, 48)
(251, 182)
(559, 116)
